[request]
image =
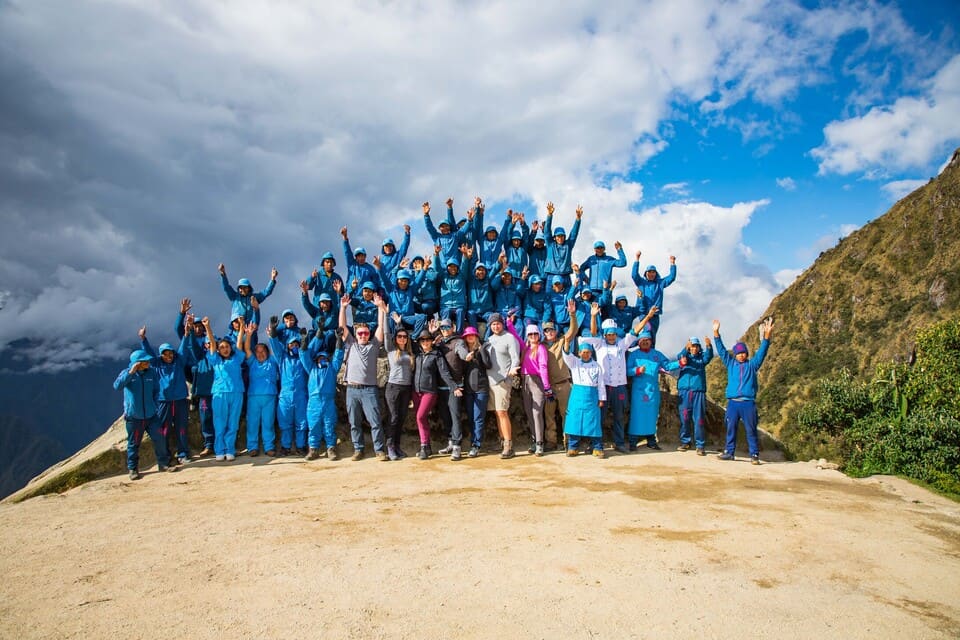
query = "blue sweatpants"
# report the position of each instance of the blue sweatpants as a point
(322, 419)
(205, 415)
(616, 402)
(135, 430)
(226, 421)
(261, 413)
(745, 410)
(292, 413)
(693, 417)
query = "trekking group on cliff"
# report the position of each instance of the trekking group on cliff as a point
(494, 311)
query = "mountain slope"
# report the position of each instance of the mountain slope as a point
(861, 302)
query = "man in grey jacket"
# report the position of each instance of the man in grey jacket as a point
(361, 351)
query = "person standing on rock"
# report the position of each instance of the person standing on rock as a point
(263, 374)
(650, 288)
(586, 401)
(173, 412)
(742, 389)
(560, 380)
(399, 389)
(691, 366)
(476, 386)
(504, 366)
(453, 349)
(141, 397)
(361, 351)
(241, 297)
(322, 372)
(429, 369)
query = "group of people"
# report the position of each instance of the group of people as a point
(494, 311)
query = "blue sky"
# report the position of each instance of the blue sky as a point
(142, 143)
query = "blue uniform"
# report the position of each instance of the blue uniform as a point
(323, 283)
(227, 394)
(489, 250)
(449, 242)
(292, 400)
(173, 410)
(597, 271)
(390, 263)
(321, 406)
(426, 294)
(262, 402)
(403, 302)
(559, 256)
(691, 392)
(240, 306)
(644, 393)
(741, 395)
(357, 272)
(536, 258)
(652, 292)
(517, 255)
(453, 290)
(325, 321)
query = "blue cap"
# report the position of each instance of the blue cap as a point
(599, 245)
(140, 356)
(368, 285)
(443, 222)
(387, 241)
(650, 267)
(540, 236)
(294, 337)
(507, 272)
(481, 265)
(535, 279)
(645, 334)
(235, 316)
(516, 235)
(328, 256)
(559, 231)
(287, 312)
(489, 229)
(695, 340)
(243, 282)
(166, 346)
(324, 297)
(619, 298)
(586, 346)
(555, 279)
(404, 274)
(451, 261)
(359, 250)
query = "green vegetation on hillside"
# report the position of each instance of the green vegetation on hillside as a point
(862, 302)
(905, 420)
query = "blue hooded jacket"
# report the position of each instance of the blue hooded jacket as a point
(624, 319)
(557, 302)
(559, 256)
(141, 393)
(240, 305)
(693, 376)
(293, 379)
(403, 301)
(652, 289)
(449, 242)
(507, 298)
(480, 292)
(489, 250)
(389, 264)
(534, 302)
(517, 256)
(322, 381)
(536, 258)
(173, 379)
(453, 289)
(595, 271)
(741, 377)
(323, 283)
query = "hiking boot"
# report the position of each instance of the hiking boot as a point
(332, 453)
(599, 453)
(726, 455)
(357, 455)
(755, 459)
(532, 448)
(424, 453)
(401, 452)
(538, 450)
(134, 474)
(168, 469)
(312, 454)
(507, 452)
(701, 452)
(253, 453)
(621, 449)
(392, 452)
(270, 453)
(207, 452)
(447, 450)
(633, 448)
(474, 452)
(653, 445)
(382, 456)
(455, 454)
(573, 453)
(684, 446)
(284, 452)
(294, 451)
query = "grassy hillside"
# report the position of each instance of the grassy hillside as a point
(861, 302)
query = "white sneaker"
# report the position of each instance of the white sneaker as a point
(220, 458)
(230, 457)
(183, 459)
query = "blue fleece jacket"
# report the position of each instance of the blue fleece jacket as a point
(517, 258)
(652, 289)
(536, 258)
(559, 256)
(453, 289)
(597, 272)
(741, 377)
(141, 393)
(693, 376)
(489, 250)
(323, 283)
(263, 376)
(403, 301)
(449, 242)
(293, 379)
(534, 304)
(240, 305)
(322, 381)
(173, 379)
(389, 264)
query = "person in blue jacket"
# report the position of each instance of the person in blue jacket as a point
(560, 246)
(425, 294)
(141, 396)
(621, 312)
(537, 251)
(364, 308)
(287, 324)
(534, 300)
(491, 243)
(453, 286)
(644, 365)
(480, 294)
(322, 371)
(556, 306)
(390, 256)
(650, 289)
(742, 389)
(447, 237)
(324, 315)
(516, 248)
(201, 373)
(292, 400)
(321, 280)
(240, 298)
(225, 359)
(358, 269)
(508, 291)
(596, 271)
(172, 409)
(261, 396)
(400, 297)
(691, 366)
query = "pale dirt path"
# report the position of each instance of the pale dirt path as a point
(664, 545)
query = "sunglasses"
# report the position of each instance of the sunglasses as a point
(363, 333)
(402, 336)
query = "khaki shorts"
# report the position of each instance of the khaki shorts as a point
(500, 396)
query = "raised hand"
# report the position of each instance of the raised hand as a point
(251, 329)
(706, 341)
(185, 305)
(594, 308)
(535, 226)
(406, 229)
(449, 203)
(579, 211)
(205, 322)
(426, 208)
(478, 203)
(617, 245)
(575, 267)
(673, 259)
(549, 208)
(222, 269)
(304, 288)
(436, 250)
(767, 327)
(716, 327)
(254, 302)
(338, 286)
(405, 263)
(143, 332)
(345, 299)
(638, 255)
(315, 274)
(343, 232)
(274, 273)
(571, 306)
(376, 262)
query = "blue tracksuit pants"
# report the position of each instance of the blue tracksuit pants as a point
(292, 415)
(693, 417)
(745, 410)
(322, 420)
(261, 413)
(226, 421)
(135, 430)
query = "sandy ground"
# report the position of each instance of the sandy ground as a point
(655, 545)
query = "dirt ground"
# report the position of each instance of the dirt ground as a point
(654, 545)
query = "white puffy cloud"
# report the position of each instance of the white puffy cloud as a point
(907, 134)
(143, 143)
(899, 188)
(787, 184)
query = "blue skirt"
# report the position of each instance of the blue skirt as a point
(583, 414)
